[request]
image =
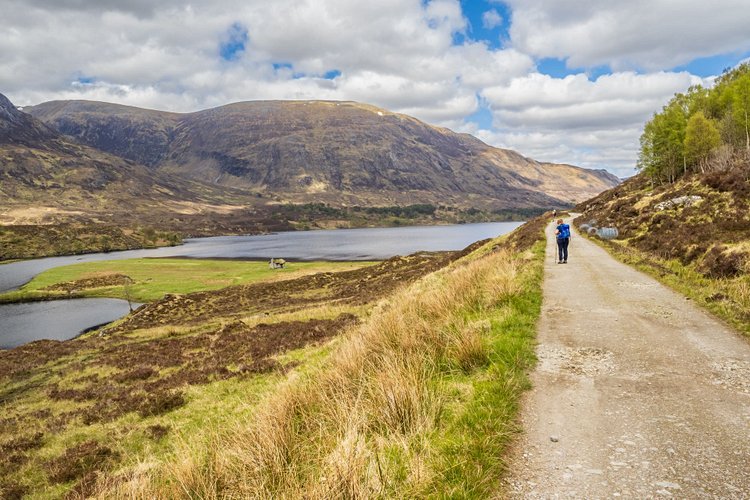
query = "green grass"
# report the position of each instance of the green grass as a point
(152, 278)
(474, 437)
(452, 352)
(419, 401)
(210, 410)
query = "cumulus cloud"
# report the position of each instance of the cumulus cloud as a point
(576, 120)
(399, 54)
(492, 19)
(638, 34)
(543, 102)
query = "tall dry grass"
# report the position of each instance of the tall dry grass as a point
(360, 427)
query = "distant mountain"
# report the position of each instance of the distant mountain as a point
(18, 128)
(336, 152)
(45, 177)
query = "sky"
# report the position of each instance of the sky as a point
(566, 81)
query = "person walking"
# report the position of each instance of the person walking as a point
(562, 232)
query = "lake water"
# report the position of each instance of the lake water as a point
(55, 319)
(42, 318)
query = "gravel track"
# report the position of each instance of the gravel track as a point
(638, 393)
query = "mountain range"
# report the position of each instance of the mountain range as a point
(336, 152)
(231, 169)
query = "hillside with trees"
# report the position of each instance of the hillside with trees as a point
(700, 130)
(686, 217)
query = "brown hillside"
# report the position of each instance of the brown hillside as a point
(58, 196)
(336, 152)
(693, 234)
(710, 231)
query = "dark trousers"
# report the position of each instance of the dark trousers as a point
(562, 249)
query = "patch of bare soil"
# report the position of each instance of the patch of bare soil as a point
(34, 215)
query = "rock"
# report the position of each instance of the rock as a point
(554, 439)
(668, 485)
(681, 201)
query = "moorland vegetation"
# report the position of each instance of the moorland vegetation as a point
(398, 378)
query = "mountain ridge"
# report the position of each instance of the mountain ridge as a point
(100, 176)
(333, 151)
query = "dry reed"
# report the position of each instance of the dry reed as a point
(328, 435)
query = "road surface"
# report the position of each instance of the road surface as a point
(637, 393)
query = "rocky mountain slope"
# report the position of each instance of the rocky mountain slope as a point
(335, 152)
(58, 196)
(43, 170)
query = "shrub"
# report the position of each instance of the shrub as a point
(139, 373)
(719, 262)
(732, 181)
(78, 461)
(161, 402)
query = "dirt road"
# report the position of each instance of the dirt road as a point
(637, 394)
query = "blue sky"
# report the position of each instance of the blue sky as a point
(569, 81)
(494, 33)
(235, 41)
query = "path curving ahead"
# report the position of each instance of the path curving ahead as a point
(637, 394)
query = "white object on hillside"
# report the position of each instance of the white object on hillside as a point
(685, 201)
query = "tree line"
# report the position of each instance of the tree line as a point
(699, 130)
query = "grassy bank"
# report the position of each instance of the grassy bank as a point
(145, 280)
(419, 399)
(399, 379)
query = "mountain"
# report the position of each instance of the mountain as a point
(46, 177)
(336, 152)
(20, 129)
(41, 167)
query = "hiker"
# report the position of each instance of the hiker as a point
(563, 238)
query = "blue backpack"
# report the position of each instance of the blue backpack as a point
(564, 231)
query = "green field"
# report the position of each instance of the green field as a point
(152, 278)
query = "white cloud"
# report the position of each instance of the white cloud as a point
(614, 150)
(578, 121)
(543, 102)
(492, 19)
(398, 54)
(649, 34)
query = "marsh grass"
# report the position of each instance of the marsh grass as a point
(419, 399)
